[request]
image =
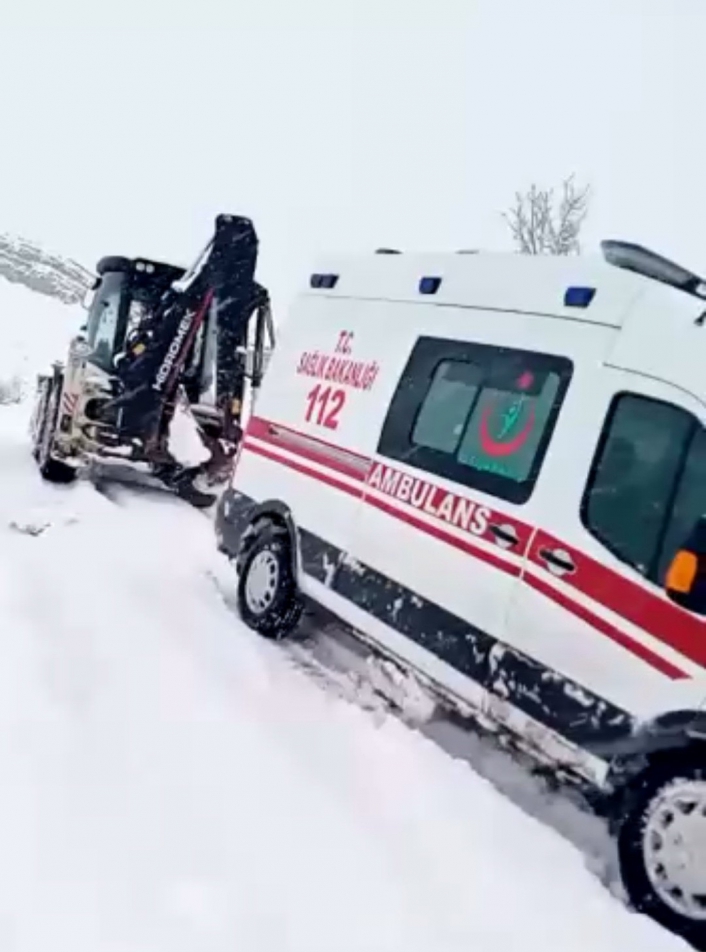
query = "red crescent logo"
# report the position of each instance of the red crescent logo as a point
(496, 447)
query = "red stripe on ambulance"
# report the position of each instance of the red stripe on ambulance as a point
(653, 615)
(669, 624)
(302, 468)
(311, 448)
(446, 506)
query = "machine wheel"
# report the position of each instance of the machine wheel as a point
(268, 599)
(662, 847)
(51, 469)
(35, 424)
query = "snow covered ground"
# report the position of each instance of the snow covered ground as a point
(170, 782)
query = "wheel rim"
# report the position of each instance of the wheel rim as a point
(261, 582)
(674, 847)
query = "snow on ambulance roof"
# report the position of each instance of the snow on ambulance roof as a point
(586, 288)
(659, 306)
(543, 284)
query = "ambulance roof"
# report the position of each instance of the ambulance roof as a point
(582, 287)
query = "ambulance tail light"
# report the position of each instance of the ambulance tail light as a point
(579, 297)
(685, 579)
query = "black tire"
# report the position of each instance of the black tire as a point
(653, 792)
(268, 598)
(35, 427)
(51, 469)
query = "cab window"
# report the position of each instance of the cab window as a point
(647, 485)
(478, 415)
(104, 319)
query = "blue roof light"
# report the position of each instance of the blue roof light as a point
(579, 297)
(324, 280)
(429, 285)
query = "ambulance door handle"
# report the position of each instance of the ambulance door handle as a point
(505, 535)
(558, 561)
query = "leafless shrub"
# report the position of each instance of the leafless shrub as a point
(541, 223)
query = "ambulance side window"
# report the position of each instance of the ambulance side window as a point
(478, 415)
(689, 503)
(442, 416)
(647, 485)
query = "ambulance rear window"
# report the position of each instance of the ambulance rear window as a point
(478, 415)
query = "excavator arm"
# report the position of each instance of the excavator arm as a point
(219, 291)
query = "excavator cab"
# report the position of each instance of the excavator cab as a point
(126, 292)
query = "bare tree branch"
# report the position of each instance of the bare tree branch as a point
(541, 226)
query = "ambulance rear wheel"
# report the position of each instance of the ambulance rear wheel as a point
(268, 599)
(51, 469)
(662, 847)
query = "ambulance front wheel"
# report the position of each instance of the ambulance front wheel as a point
(268, 598)
(662, 847)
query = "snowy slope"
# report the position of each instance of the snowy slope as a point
(171, 782)
(41, 270)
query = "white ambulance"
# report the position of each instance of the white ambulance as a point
(485, 466)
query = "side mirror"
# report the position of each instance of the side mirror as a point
(685, 581)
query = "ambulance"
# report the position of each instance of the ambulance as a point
(492, 469)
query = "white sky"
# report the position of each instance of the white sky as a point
(346, 124)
